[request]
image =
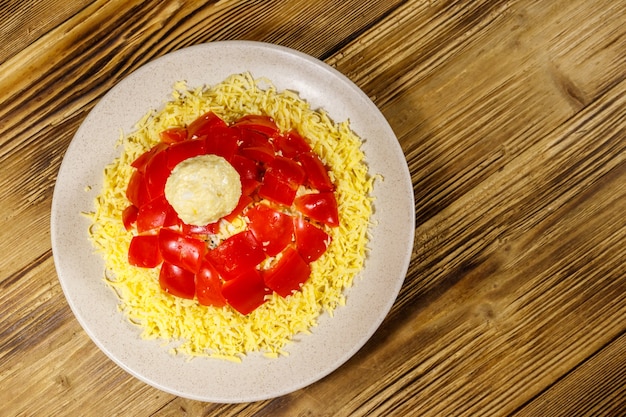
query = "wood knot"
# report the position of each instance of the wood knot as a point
(63, 381)
(574, 94)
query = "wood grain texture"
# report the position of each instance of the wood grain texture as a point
(588, 389)
(25, 21)
(512, 117)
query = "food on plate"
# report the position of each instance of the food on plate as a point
(233, 218)
(186, 188)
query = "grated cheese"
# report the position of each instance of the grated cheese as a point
(223, 333)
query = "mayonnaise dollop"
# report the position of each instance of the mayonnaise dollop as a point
(203, 189)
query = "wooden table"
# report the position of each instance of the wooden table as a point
(512, 117)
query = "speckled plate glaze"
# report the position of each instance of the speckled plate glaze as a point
(312, 356)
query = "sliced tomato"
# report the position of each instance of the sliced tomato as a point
(252, 138)
(244, 201)
(156, 174)
(249, 173)
(288, 170)
(178, 152)
(281, 180)
(249, 187)
(246, 292)
(316, 173)
(237, 254)
(136, 191)
(144, 251)
(171, 217)
(142, 160)
(180, 250)
(209, 285)
(209, 229)
(277, 189)
(204, 125)
(319, 206)
(288, 274)
(256, 146)
(311, 241)
(177, 281)
(272, 228)
(258, 123)
(222, 141)
(129, 216)
(153, 214)
(259, 154)
(173, 135)
(246, 167)
(291, 144)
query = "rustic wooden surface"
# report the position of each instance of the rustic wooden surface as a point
(512, 117)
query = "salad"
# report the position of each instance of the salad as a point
(234, 217)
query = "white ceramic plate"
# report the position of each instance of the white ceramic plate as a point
(335, 339)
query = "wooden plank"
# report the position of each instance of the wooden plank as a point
(453, 49)
(596, 387)
(23, 22)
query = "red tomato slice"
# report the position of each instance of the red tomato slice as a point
(321, 207)
(256, 146)
(311, 241)
(259, 154)
(249, 187)
(237, 254)
(137, 192)
(204, 124)
(246, 167)
(209, 285)
(273, 229)
(173, 135)
(316, 172)
(251, 138)
(249, 174)
(258, 123)
(152, 215)
(288, 170)
(129, 216)
(143, 159)
(156, 174)
(144, 251)
(288, 274)
(171, 217)
(222, 141)
(246, 292)
(209, 229)
(276, 189)
(180, 250)
(244, 201)
(177, 281)
(178, 152)
(291, 144)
